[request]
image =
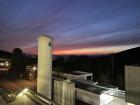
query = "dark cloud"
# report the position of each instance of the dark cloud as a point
(74, 24)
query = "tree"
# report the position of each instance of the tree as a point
(18, 65)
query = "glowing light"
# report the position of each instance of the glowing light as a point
(30, 74)
(23, 92)
(7, 64)
(2, 64)
(20, 94)
(34, 68)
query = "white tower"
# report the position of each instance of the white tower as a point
(44, 76)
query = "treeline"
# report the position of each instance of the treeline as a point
(18, 62)
(109, 69)
(100, 66)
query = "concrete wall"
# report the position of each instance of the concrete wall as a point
(58, 91)
(105, 99)
(83, 75)
(68, 97)
(132, 84)
(92, 98)
(44, 76)
(64, 92)
(87, 97)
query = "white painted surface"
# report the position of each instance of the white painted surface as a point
(105, 99)
(71, 76)
(87, 97)
(44, 80)
(117, 101)
(92, 98)
(64, 92)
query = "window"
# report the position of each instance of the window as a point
(50, 44)
(88, 77)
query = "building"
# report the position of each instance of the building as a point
(132, 84)
(64, 92)
(94, 94)
(70, 86)
(44, 75)
(85, 90)
(31, 72)
(75, 75)
(4, 64)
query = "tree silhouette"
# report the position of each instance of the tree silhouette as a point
(18, 63)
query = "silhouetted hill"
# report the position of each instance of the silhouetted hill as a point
(5, 54)
(120, 60)
(130, 56)
(106, 69)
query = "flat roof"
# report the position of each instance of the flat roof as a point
(74, 72)
(92, 86)
(89, 88)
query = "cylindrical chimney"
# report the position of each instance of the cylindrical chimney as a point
(44, 76)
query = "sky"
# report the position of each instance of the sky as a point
(77, 26)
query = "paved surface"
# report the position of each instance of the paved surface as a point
(2, 101)
(17, 85)
(23, 100)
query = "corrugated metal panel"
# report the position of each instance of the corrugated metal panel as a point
(64, 92)
(132, 84)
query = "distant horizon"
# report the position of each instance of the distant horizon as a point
(78, 54)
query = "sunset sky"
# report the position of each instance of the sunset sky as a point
(77, 26)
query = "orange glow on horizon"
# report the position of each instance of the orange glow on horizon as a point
(93, 51)
(78, 52)
(86, 51)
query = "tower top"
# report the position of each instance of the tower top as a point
(43, 37)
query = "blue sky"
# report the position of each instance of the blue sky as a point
(77, 26)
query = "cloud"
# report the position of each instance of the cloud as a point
(74, 24)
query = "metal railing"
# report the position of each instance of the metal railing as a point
(39, 98)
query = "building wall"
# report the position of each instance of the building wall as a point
(64, 92)
(68, 97)
(44, 75)
(87, 97)
(132, 84)
(58, 90)
(93, 98)
(83, 75)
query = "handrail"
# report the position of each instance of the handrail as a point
(41, 97)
